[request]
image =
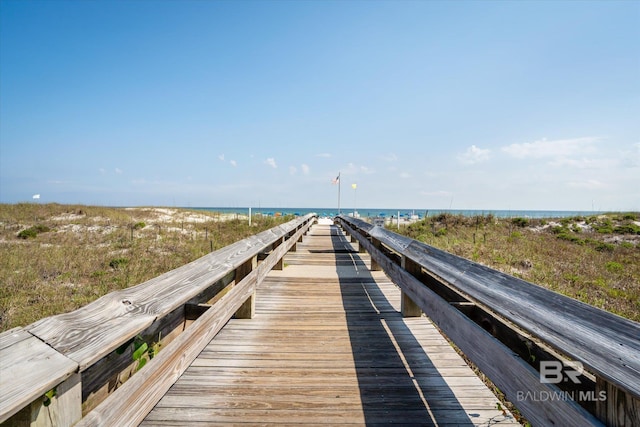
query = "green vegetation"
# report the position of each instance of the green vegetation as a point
(57, 258)
(32, 232)
(594, 259)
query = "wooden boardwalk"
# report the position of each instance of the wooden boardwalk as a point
(328, 346)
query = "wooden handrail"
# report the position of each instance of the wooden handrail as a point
(73, 347)
(607, 345)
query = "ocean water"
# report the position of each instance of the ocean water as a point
(404, 213)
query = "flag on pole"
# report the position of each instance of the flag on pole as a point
(336, 180)
(354, 186)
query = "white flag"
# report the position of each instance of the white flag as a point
(36, 196)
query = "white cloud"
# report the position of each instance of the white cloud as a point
(118, 171)
(325, 155)
(102, 171)
(583, 163)
(590, 184)
(559, 148)
(631, 158)
(293, 170)
(439, 193)
(221, 157)
(366, 170)
(353, 169)
(233, 163)
(474, 155)
(405, 175)
(391, 157)
(271, 162)
(305, 169)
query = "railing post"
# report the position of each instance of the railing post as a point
(294, 247)
(248, 309)
(64, 408)
(615, 407)
(376, 244)
(408, 307)
(280, 264)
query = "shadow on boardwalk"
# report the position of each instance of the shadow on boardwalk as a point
(398, 381)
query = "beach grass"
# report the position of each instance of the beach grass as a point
(57, 258)
(593, 259)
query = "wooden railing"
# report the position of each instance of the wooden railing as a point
(560, 361)
(62, 367)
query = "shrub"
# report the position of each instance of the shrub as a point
(571, 238)
(32, 232)
(613, 267)
(520, 222)
(139, 225)
(514, 236)
(117, 263)
(604, 247)
(605, 229)
(627, 229)
(441, 232)
(29, 233)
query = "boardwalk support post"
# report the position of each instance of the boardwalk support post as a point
(248, 309)
(63, 409)
(614, 406)
(407, 306)
(280, 264)
(377, 245)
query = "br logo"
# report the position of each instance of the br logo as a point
(556, 372)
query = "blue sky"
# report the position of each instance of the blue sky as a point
(423, 104)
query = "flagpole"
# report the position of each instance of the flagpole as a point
(355, 210)
(339, 184)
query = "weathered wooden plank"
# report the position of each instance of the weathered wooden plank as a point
(327, 351)
(500, 364)
(28, 369)
(88, 334)
(309, 399)
(580, 331)
(328, 416)
(130, 404)
(126, 406)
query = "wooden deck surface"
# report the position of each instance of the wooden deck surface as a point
(328, 346)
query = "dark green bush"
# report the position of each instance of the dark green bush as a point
(441, 232)
(604, 229)
(520, 222)
(627, 229)
(604, 247)
(560, 230)
(571, 238)
(33, 232)
(117, 263)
